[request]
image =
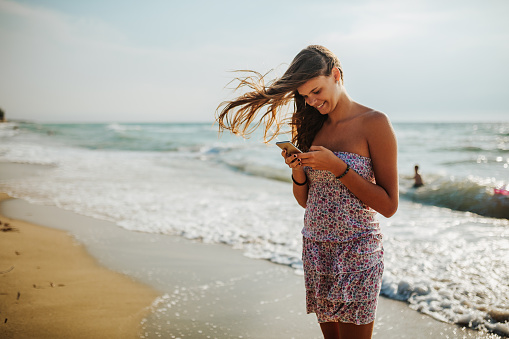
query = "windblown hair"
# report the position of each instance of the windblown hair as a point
(240, 115)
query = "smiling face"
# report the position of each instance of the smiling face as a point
(322, 92)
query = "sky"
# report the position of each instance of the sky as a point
(171, 61)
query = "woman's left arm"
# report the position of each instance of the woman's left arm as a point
(383, 196)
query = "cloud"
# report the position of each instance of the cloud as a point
(59, 26)
(59, 66)
(156, 62)
(425, 57)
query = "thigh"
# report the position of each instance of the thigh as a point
(330, 330)
(348, 330)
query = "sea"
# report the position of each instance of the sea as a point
(446, 248)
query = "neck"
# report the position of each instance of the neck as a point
(345, 108)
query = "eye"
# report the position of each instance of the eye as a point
(317, 92)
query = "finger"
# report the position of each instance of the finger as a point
(295, 164)
(285, 154)
(306, 155)
(290, 160)
(317, 148)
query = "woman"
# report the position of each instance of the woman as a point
(346, 174)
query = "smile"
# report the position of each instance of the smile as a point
(320, 106)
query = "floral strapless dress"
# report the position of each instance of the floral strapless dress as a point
(342, 248)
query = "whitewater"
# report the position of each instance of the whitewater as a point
(446, 249)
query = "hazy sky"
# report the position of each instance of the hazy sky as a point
(155, 60)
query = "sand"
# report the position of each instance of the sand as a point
(50, 287)
(93, 284)
(205, 290)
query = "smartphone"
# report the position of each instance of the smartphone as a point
(288, 147)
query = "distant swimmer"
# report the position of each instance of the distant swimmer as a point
(417, 178)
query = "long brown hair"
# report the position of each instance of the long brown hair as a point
(239, 115)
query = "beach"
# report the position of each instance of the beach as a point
(210, 228)
(50, 287)
(204, 290)
(81, 277)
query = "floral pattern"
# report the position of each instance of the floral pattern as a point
(342, 248)
(333, 213)
(336, 295)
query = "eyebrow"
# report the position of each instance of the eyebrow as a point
(314, 89)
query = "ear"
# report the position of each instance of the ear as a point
(336, 74)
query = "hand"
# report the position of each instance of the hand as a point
(292, 160)
(321, 158)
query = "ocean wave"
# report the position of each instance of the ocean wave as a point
(8, 129)
(464, 307)
(499, 148)
(481, 159)
(267, 172)
(122, 127)
(449, 264)
(462, 194)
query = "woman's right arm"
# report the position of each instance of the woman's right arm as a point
(300, 192)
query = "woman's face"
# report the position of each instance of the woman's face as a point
(322, 92)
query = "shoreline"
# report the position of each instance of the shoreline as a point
(209, 290)
(203, 290)
(51, 287)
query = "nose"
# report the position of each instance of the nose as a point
(310, 101)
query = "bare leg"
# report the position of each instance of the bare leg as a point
(353, 331)
(330, 330)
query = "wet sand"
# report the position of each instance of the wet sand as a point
(205, 290)
(50, 287)
(202, 290)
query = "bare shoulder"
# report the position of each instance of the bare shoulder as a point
(376, 122)
(379, 133)
(376, 118)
